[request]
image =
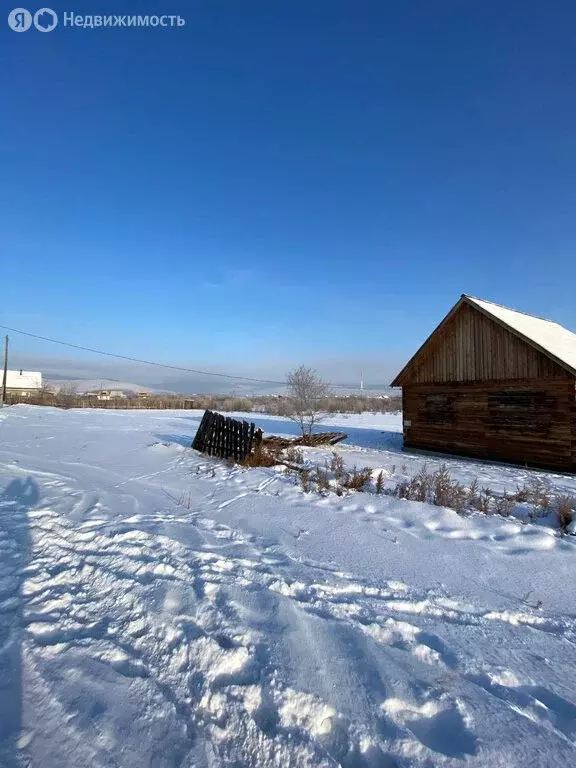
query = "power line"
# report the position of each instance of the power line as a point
(154, 363)
(145, 362)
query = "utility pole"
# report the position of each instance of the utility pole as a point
(5, 377)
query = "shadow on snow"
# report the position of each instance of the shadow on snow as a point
(15, 547)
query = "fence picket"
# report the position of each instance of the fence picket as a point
(223, 436)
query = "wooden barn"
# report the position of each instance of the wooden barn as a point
(493, 383)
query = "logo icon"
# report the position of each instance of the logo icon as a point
(20, 20)
(45, 20)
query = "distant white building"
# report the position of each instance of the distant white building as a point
(110, 394)
(24, 383)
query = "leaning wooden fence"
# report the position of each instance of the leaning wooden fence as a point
(224, 437)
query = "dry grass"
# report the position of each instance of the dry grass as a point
(305, 481)
(357, 479)
(504, 504)
(262, 457)
(337, 465)
(537, 494)
(417, 488)
(448, 492)
(440, 489)
(481, 500)
(565, 510)
(294, 455)
(436, 487)
(322, 480)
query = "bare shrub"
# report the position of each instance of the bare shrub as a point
(481, 500)
(565, 509)
(294, 455)
(380, 482)
(307, 401)
(539, 496)
(417, 488)
(337, 465)
(473, 494)
(504, 504)
(322, 479)
(67, 396)
(242, 404)
(523, 494)
(305, 480)
(402, 489)
(421, 485)
(365, 404)
(357, 479)
(448, 492)
(436, 488)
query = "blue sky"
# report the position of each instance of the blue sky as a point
(284, 182)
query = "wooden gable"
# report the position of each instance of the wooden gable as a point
(471, 346)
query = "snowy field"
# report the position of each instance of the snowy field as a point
(161, 609)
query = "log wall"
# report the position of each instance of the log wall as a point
(469, 346)
(528, 421)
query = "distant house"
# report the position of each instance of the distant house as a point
(23, 383)
(493, 383)
(110, 394)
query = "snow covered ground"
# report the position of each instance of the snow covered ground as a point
(158, 608)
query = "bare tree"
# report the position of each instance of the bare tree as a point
(307, 399)
(67, 395)
(46, 393)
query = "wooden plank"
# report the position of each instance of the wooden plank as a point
(220, 437)
(205, 430)
(197, 443)
(243, 447)
(246, 439)
(237, 432)
(223, 438)
(226, 441)
(229, 438)
(213, 435)
(240, 443)
(234, 440)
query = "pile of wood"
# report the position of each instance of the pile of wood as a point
(228, 438)
(314, 441)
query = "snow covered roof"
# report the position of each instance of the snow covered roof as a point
(24, 380)
(552, 339)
